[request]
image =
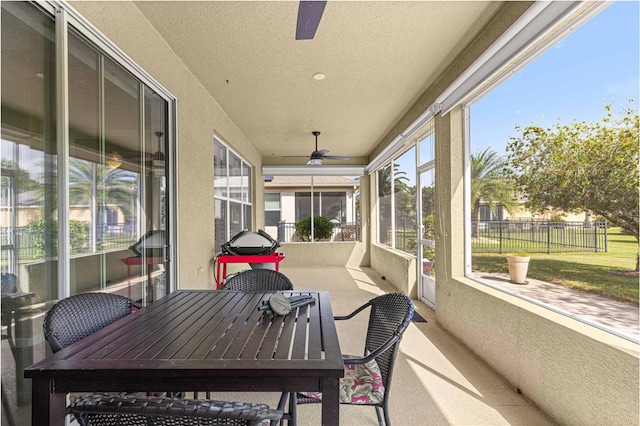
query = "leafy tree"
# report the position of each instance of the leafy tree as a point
(583, 166)
(406, 217)
(490, 182)
(322, 228)
(23, 181)
(428, 201)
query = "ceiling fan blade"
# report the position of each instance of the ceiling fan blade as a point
(335, 157)
(309, 15)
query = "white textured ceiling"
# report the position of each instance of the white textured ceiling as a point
(378, 57)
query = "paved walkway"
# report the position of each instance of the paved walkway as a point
(619, 317)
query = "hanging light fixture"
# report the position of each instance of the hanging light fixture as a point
(115, 160)
(158, 158)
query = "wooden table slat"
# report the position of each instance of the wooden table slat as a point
(160, 320)
(244, 319)
(284, 346)
(193, 332)
(314, 350)
(300, 336)
(271, 339)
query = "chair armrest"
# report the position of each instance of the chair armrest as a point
(352, 314)
(386, 345)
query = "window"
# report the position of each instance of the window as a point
(232, 193)
(397, 203)
(272, 208)
(487, 213)
(119, 134)
(332, 205)
(565, 244)
(288, 199)
(304, 203)
(118, 128)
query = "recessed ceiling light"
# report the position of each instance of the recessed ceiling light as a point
(319, 76)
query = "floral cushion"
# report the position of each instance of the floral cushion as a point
(361, 384)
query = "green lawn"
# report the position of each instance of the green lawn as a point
(591, 272)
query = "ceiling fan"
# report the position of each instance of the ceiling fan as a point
(318, 155)
(309, 15)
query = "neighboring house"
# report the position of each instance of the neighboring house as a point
(500, 213)
(287, 199)
(29, 208)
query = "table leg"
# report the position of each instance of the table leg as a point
(47, 408)
(224, 272)
(149, 283)
(331, 402)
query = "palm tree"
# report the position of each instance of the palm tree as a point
(384, 180)
(109, 187)
(384, 196)
(489, 183)
(112, 186)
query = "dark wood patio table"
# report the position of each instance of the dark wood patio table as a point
(199, 341)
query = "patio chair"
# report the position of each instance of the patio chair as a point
(15, 305)
(258, 280)
(389, 316)
(78, 316)
(9, 285)
(108, 410)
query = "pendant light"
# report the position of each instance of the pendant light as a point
(157, 163)
(115, 160)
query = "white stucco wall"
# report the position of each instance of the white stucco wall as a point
(397, 268)
(344, 253)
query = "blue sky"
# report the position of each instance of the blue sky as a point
(594, 66)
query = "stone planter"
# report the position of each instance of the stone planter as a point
(518, 267)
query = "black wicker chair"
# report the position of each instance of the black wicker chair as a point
(109, 410)
(9, 285)
(76, 317)
(258, 280)
(389, 316)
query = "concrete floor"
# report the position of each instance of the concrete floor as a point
(437, 380)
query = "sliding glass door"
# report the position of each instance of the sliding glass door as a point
(426, 186)
(85, 181)
(117, 134)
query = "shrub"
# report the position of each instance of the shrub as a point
(78, 236)
(322, 228)
(556, 218)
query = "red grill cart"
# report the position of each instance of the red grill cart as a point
(224, 259)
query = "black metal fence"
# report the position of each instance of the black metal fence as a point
(26, 243)
(345, 231)
(538, 236)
